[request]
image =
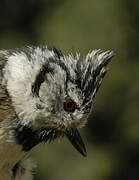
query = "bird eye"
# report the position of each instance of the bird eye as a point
(69, 105)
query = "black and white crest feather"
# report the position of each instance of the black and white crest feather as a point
(39, 81)
(88, 73)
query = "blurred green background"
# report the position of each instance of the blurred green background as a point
(112, 132)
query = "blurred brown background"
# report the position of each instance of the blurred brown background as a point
(112, 133)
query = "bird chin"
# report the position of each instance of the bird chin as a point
(28, 138)
(72, 134)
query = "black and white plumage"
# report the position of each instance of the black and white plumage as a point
(44, 95)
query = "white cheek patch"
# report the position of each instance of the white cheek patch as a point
(19, 72)
(19, 75)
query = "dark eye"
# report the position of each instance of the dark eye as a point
(69, 105)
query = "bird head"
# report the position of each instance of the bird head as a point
(53, 93)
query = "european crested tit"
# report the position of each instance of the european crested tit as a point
(44, 95)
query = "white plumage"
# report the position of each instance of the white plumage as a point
(43, 95)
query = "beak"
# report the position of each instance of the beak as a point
(76, 140)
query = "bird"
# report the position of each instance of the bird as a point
(44, 95)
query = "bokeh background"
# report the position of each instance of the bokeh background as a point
(112, 133)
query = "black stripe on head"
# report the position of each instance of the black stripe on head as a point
(92, 88)
(57, 52)
(89, 77)
(62, 65)
(40, 78)
(79, 73)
